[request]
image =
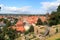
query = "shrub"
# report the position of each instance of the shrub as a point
(12, 34)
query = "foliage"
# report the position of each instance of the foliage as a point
(56, 30)
(8, 24)
(51, 22)
(39, 22)
(15, 21)
(12, 34)
(2, 35)
(1, 19)
(5, 20)
(26, 32)
(44, 23)
(30, 30)
(58, 9)
(55, 17)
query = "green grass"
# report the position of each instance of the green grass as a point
(58, 39)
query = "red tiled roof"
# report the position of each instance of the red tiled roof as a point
(43, 18)
(19, 23)
(1, 17)
(31, 19)
(19, 26)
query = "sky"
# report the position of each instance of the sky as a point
(28, 6)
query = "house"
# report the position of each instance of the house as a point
(2, 24)
(19, 26)
(1, 17)
(30, 19)
(43, 18)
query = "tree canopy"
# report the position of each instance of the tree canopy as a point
(39, 22)
(55, 17)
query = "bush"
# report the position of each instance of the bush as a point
(52, 22)
(2, 36)
(12, 34)
(45, 23)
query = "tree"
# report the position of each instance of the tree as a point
(45, 23)
(12, 34)
(5, 20)
(2, 35)
(31, 29)
(55, 17)
(8, 24)
(58, 9)
(52, 22)
(15, 21)
(39, 22)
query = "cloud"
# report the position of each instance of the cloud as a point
(7, 9)
(25, 8)
(50, 6)
(44, 8)
(21, 10)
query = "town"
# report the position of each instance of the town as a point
(27, 27)
(29, 20)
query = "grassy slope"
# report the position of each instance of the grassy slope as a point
(54, 37)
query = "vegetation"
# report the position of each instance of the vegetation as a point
(45, 23)
(55, 17)
(7, 33)
(30, 30)
(39, 22)
(58, 39)
(12, 34)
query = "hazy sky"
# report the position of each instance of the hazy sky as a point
(28, 6)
